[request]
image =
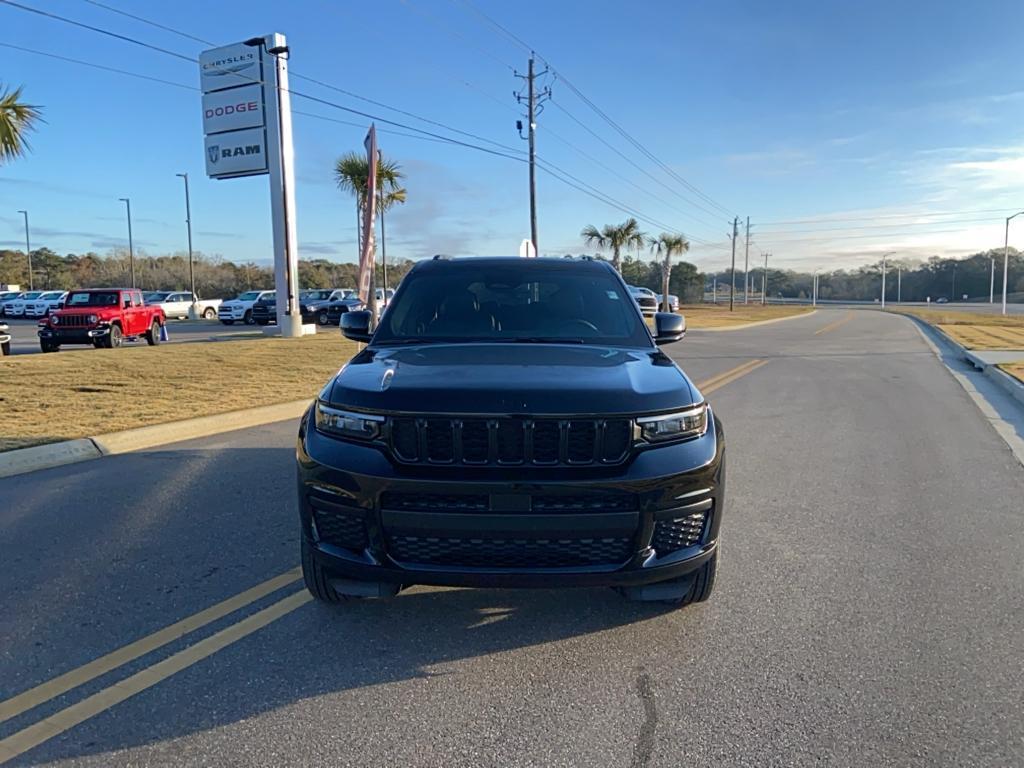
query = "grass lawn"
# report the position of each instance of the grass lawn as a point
(44, 398)
(975, 330)
(718, 315)
(1015, 369)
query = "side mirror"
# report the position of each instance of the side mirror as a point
(355, 325)
(668, 327)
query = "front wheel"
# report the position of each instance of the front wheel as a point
(315, 578)
(5, 349)
(262, 322)
(153, 334)
(48, 346)
(703, 584)
(114, 338)
(247, 318)
(209, 313)
(324, 318)
(228, 322)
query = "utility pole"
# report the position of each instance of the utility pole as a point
(732, 289)
(1006, 256)
(899, 283)
(131, 250)
(764, 281)
(746, 264)
(534, 106)
(28, 249)
(952, 288)
(188, 224)
(814, 290)
(714, 289)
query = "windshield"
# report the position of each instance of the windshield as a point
(91, 299)
(249, 296)
(507, 302)
(33, 295)
(153, 297)
(52, 295)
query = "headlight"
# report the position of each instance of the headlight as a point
(674, 426)
(92, 319)
(360, 426)
(311, 308)
(55, 319)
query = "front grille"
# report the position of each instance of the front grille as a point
(590, 502)
(339, 528)
(678, 533)
(509, 553)
(510, 441)
(73, 321)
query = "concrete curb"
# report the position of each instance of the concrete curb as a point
(754, 324)
(1003, 380)
(30, 459)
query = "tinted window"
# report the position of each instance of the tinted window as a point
(509, 302)
(249, 296)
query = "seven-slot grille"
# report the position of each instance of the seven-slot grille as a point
(73, 321)
(510, 440)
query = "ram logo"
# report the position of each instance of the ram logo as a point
(213, 152)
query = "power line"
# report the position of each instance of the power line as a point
(151, 23)
(898, 225)
(861, 237)
(436, 22)
(886, 216)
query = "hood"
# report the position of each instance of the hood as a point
(511, 379)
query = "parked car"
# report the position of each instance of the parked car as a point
(176, 304)
(645, 299)
(331, 313)
(673, 302)
(103, 317)
(511, 423)
(7, 297)
(5, 339)
(16, 307)
(46, 303)
(314, 304)
(240, 309)
(942, 300)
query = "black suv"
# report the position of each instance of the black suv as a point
(511, 423)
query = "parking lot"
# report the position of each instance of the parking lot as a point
(24, 340)
(867, 610)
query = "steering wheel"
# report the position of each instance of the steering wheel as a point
(578, 324)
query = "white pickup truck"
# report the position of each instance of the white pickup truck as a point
(45, 304)
(177, 304)
(240, 310)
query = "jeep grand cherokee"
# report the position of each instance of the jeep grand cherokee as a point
(511, 423)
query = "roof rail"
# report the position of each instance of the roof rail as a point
(440, 257)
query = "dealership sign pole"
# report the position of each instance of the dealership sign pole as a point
(247, 123)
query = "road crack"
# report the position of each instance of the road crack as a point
(644, 747)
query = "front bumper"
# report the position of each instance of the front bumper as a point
(73, 335)
(652, 519)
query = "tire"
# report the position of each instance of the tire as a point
(98, 343)
(209, 313)
(114, 338)
(228, 322)
(262, 322)
(247, 318)
(153, 334)
(47, 346)
(323, 318)
(703, 584)
(316, 579)
(5, 349)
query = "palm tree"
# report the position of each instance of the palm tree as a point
(667, 244)
(16, 120)
(625, 235)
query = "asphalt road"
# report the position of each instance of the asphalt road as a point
(867, 611)
(25, 341)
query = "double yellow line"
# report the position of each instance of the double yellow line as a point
(832, 326)
(728, 377)
(32, 736)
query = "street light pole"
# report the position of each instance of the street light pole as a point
(383, 246)
(188, 224)
(1006, 255)
(764, 281)
(992, 280)
(732, 288)
(131, 250)
(884, 257)
(28, 249)
(899, 283)
(814, 290)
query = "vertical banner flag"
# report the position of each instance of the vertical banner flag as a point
(369, 217)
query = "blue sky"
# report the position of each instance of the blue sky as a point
(887, 126)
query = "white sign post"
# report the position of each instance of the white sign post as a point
(527, 250)
(247, 123)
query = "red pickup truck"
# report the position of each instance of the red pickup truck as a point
(103, 317)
